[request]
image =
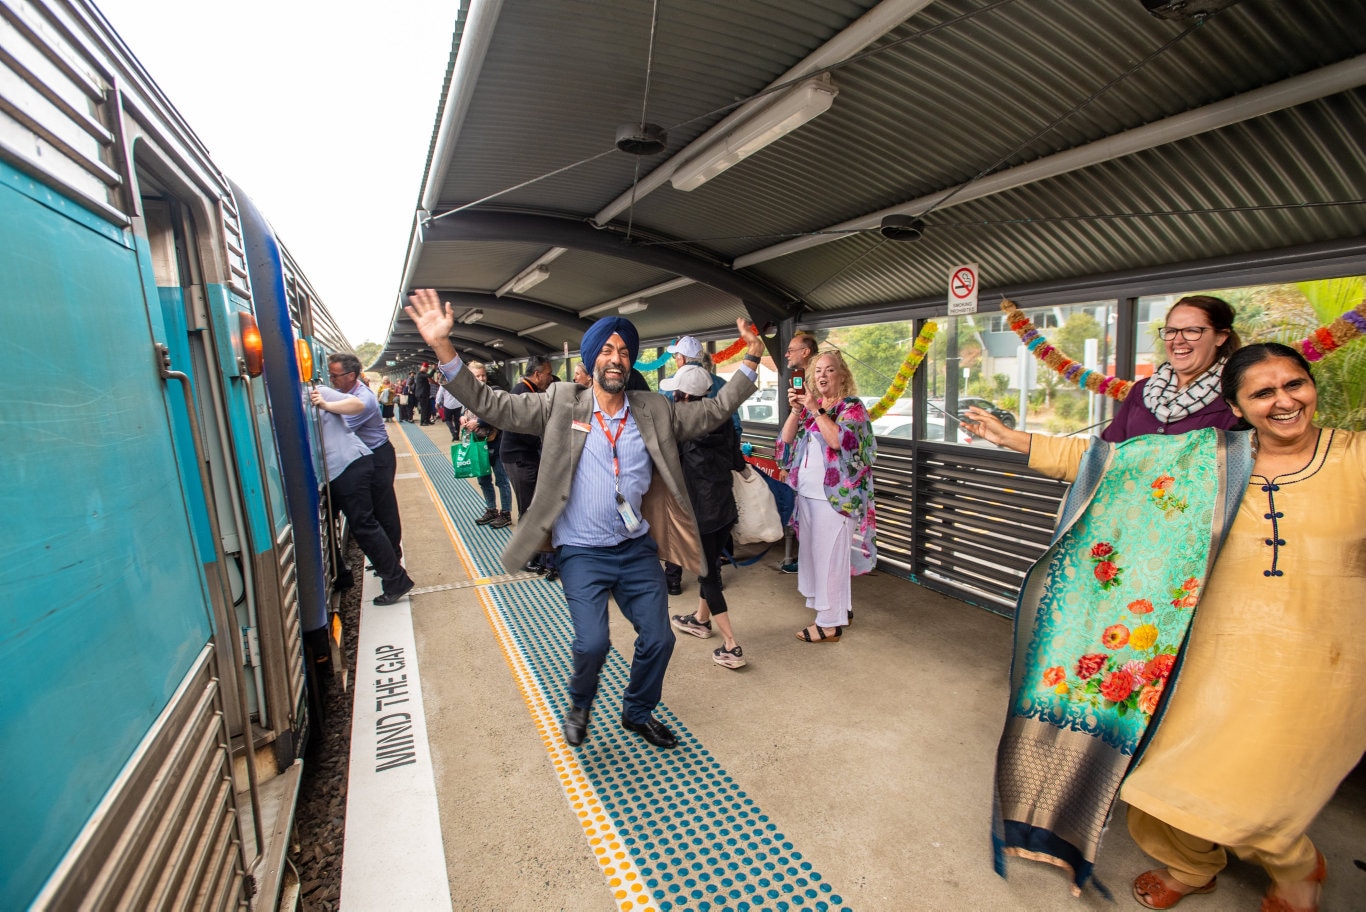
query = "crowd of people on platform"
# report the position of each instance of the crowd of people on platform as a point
(643, 490)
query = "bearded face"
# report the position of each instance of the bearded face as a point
(612, 368)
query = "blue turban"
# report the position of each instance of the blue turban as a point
(604, 329)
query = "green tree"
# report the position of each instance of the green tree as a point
(1073, 334)
(367, 352)
(873, 353)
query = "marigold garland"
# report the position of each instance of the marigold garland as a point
(1070, 370)
(734, 350)
(1344, 329)
(904, 373)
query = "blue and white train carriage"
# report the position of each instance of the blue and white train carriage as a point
(168, 549)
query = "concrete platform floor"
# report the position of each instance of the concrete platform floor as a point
(872, 758)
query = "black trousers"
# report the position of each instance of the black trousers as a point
(710, 585)
(424, 406)
(453, 423)
(522, 477)
(351, 493)
(713, 543)
(383, 498)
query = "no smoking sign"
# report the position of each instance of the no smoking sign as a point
(963, 289)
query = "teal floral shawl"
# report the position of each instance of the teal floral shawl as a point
(848, 481)
(1099, 630)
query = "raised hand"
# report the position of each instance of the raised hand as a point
(434, 320)
(987, 426)
(751, 338)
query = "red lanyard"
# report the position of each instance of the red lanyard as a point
(612, 440)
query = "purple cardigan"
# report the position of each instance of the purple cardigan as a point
(1133, 418)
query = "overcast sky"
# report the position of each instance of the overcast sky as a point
(322, 112)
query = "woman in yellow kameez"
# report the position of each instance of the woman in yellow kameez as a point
(1269, 714)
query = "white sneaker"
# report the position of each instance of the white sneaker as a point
(729, 658)
(688, 623)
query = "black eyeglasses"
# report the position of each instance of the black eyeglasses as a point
(1189, 333)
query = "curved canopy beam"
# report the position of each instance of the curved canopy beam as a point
(535, 310)
(410, 347)
(760, 300)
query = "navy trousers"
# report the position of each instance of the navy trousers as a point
(631, 574)
(351, 494)
(382, 496)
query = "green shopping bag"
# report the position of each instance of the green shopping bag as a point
(470, 457)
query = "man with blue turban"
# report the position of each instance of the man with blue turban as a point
(621, 505)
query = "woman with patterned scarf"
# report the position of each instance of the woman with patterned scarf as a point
(827, 448)
(1183, 394)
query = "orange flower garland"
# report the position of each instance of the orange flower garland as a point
(731, 351)
(1070, 370)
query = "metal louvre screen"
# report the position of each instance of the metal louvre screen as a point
(980, 521)
(290, 622)
(968, 521)
(166, 835)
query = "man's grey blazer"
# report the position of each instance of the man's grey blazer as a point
(552, 416)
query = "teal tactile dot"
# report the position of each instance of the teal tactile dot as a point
(679, 815)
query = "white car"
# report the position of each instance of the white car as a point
(899, 426)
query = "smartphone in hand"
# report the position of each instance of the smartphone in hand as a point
(798, 378)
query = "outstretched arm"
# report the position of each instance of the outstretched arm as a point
(984, 424)
(435, 320)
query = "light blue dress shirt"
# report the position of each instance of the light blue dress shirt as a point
(590, 517)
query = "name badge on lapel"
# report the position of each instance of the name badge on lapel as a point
(581, 426)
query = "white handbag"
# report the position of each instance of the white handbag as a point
(758, 513)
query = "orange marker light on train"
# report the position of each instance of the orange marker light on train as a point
(304, 352)
(252, 351)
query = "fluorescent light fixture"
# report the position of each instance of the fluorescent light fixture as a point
(473, 315)
(496, 343)
(530, 279)
(784, 114)
(632, 307)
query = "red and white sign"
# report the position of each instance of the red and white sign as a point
(963, 289)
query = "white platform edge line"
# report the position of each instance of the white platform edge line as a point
(393, 856)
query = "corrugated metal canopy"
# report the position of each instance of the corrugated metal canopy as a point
(1055, 143)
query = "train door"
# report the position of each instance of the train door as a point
(211, 325)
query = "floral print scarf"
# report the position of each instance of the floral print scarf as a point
(848, 480)
(1099, 631)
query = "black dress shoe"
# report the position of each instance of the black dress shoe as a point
(575, 726)
(552, 575)
(675, 588)
(652, 731)
(393, 598)
(533, 566)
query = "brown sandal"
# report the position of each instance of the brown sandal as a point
(805, 634)
(1273, 903)
(1152, 891)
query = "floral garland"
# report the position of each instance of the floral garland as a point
(1344, 329)
(1070, 370)
(907, 369)
(734, 350)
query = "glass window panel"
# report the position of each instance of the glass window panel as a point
(992, 369)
